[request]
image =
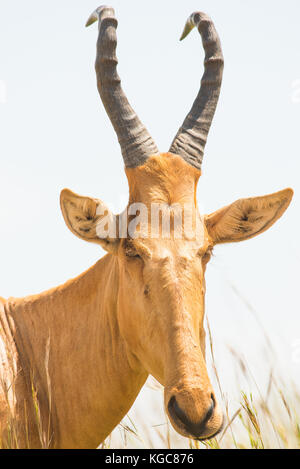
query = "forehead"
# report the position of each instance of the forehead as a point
(163, 178)
(162, 193)
(162, 210)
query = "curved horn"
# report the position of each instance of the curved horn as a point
(191, 138)
(135, 141)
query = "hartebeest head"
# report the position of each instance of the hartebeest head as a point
(161, 243)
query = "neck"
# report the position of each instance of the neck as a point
(76, 357)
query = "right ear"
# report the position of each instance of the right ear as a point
(90, 220)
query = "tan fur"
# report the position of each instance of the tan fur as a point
(87, 347)
(165, 178)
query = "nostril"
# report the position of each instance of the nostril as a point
(174, 409)
(196, 429)
(211, 409)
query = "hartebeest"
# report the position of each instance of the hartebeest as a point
(75, 358)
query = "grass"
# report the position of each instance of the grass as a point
(14, 435)
(259, 420)
(258, 416)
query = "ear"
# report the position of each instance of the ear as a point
(247, 218)
(89, 219)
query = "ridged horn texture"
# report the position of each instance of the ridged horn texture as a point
(191, 138)
(135, 141)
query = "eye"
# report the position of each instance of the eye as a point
(205, 257)
(131, 252)
(133, 255)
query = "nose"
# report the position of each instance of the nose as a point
(208, 423)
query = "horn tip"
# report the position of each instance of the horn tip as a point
(95, 15)
(189, 25)
(92, 19)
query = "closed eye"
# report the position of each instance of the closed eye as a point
(136, 250)
(133, 255)
(206, 256)
(130, 251)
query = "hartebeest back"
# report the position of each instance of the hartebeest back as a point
(77, 356)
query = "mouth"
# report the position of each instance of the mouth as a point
(211, 436)
(208, 427)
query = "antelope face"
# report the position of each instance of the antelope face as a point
(161, 313)
(161, 285)
(162, 289)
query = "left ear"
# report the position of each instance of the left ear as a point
(90, 220)
(247, 218)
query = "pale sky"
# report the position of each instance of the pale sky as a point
(55, 134)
